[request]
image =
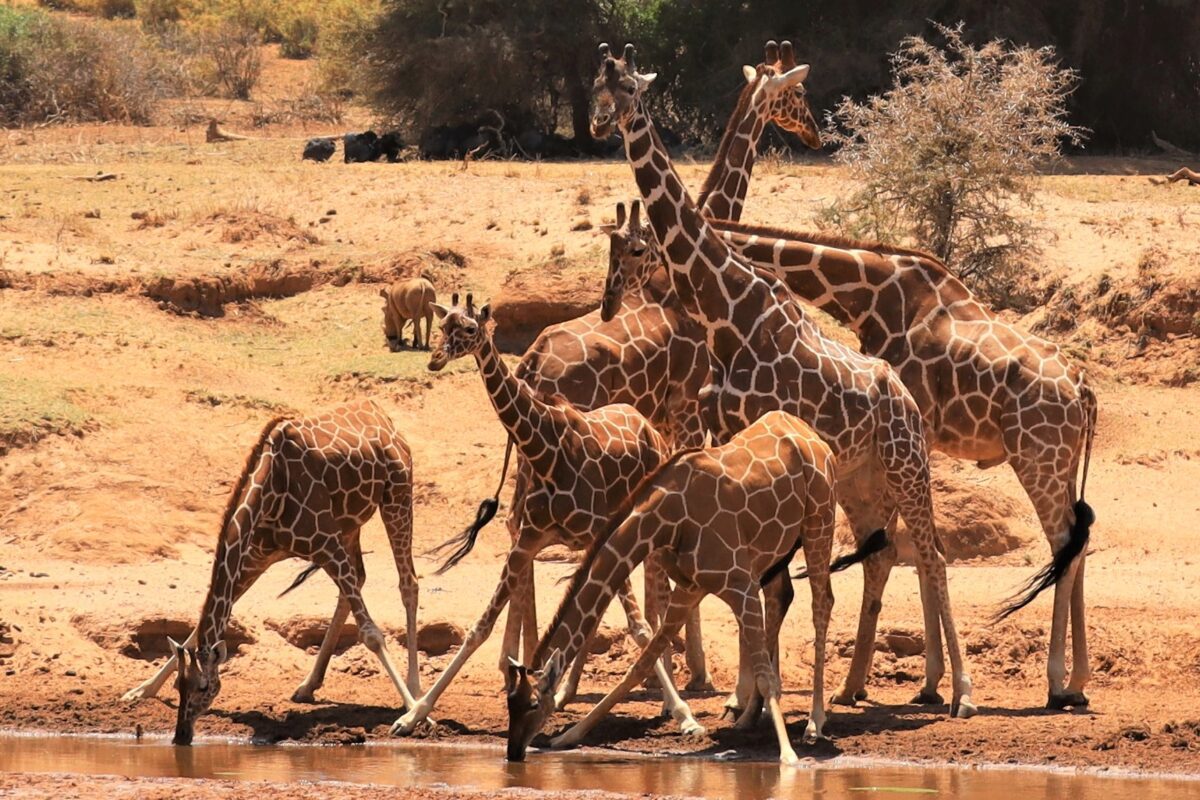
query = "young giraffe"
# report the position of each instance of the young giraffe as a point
(581, 465)
(988, 392)
(726, 521)
(767, 354)
(308, 487)
(648, 353)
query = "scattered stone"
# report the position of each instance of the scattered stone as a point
(582, 224)
(436, 638)
(92, 214)
(904, 644)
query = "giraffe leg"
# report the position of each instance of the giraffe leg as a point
(1081, 670)
(743, 598)
(683, 598)
(511, 644)
(150, 687)
(818, 544)
(673, 704)
(348, 576)
(396, 512)
(657, 591)
(316, 678)
(518, 557)
(904, 458)
(428, 330)
(858, 496)
(1048, 485)
(697, 662)
(778, 596)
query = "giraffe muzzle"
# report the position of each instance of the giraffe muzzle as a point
(437, 361)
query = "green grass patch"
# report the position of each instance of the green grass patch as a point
(31, 409)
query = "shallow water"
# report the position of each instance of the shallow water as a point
(485, 768)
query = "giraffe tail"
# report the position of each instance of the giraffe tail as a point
(304, 575)
(465, 541)
(874, 543)
(1077, 537)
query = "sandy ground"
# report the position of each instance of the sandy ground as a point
(125, 426)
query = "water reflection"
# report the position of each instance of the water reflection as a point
(485, 768)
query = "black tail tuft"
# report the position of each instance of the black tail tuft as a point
(869, 547)
(466, 540)
(304, 575)
(1050, 574)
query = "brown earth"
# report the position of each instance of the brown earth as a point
(122, 428)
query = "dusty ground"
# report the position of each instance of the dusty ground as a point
(123, 424)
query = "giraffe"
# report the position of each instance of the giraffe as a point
(988, 392)
(727, 521)
(648, 353)
(308, 487)
(767, 354)
(581, 465)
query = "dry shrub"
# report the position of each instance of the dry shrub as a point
(946, 154)
(55, 69)
(228, 59)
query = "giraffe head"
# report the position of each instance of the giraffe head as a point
(632, 258)
(783, 92)
(530, 701)
(616, 92)
(464, 331)
(198, 681)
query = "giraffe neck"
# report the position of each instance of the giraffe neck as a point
(724, 191)
(877, 295)
(254, 502)
(534, 425)
(703, 275)
(605, 568)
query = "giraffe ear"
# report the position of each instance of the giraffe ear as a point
(749, 72)
(513, 674)
(485, 313)
(550, 676)
(645, 80)
(222, 652)
(795, 76)
(439, 310)
(176, 648)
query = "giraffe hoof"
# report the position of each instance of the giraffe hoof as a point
(1064, 700)
(844, 698)
(701, 684)
(928, 698)
(963, 709)
(692, 728)
(303, 695)
(137, 693)
(731, 712)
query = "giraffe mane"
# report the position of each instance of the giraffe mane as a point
(239, 487)
(830, 240)
(735, 119)
(579, 578)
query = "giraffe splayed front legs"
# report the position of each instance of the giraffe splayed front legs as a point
(308, 487)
